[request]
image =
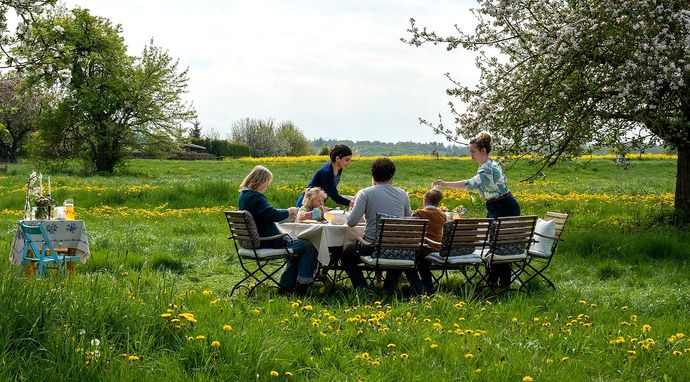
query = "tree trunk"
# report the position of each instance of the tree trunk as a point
(682, 200)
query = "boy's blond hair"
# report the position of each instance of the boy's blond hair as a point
(310, 193)
(433, 196)
(257, 178)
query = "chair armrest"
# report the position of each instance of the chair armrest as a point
(432, 242)
(274, 237)
(547, 237)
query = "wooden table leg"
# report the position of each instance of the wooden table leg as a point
(30, 268)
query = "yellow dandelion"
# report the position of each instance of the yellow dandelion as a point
(215, 344)
(680, 336)
(677, 353)
(438, 326)
(646, 328)
(227, 327)
(288, 374)
(527, 378)
(274, 373)
(200, 337)
(477, 370)
(565, 359)
(632, 353)
(536, 319)
(375, 363)
(207, 293)
(166, 315)
(514, 320)
(434, 346)
(686, 350)
(308, 308)
(331, 318)
(469, 356)
(365, 355)
(295, 304)
(132, 358)
(404, 356)
(582, 302)
(391, 346)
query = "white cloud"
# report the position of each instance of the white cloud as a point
(335, 68)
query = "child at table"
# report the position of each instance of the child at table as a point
(434, 231)
(312, 205)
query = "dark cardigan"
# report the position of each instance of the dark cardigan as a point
(264, 215)
(328, 182)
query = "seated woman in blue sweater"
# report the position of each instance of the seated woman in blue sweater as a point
(328, 176)
(299, 273)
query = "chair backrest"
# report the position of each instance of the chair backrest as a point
(560, 219)
(512, 234)
(31, 244)
(243, 229)
(464, 236)
(400, 238)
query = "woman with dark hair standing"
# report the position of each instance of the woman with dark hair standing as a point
(328, 176)
(493, 186)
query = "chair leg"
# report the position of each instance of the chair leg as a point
(516, 273)
(267, 276)
(539, 273)
(255, 275)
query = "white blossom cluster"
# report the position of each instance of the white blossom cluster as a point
(557, 75)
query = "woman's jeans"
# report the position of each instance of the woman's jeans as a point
(501, 208)
(299, 269)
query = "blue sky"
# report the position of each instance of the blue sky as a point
(337, 69)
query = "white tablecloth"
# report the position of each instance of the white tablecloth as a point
(323, 236)
(62, 233)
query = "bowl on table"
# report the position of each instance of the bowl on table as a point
(337, 217)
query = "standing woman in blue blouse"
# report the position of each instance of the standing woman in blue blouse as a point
(299, 273)
(493, 186)
(328, 176)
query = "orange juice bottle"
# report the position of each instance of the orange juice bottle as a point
(69, 209)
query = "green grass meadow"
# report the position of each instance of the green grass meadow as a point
(153, 301)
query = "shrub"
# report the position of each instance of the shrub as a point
(222, 147)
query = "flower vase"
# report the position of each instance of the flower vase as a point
(42, 213)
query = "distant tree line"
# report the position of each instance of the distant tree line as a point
(392, 148)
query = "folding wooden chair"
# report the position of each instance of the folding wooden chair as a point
(397, 245)
(46, 254)
(463, 244)
(509, 242)
(539, 256)
(266, 262)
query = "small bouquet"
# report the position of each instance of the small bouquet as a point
(35, 195)
(460, 210)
